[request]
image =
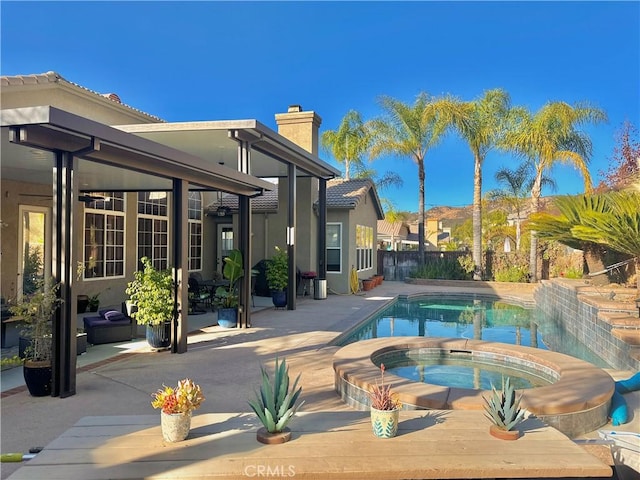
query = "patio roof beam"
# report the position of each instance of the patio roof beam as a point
(53, 129)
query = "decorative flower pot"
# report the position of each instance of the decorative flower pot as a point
(159, 336)
(385, 422)
(175, 426)
(504, 434)
(264, 436)
(228, 317)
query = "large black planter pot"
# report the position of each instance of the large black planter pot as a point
(279, 298)
(37, 376)
(228, 317)
(159, 336)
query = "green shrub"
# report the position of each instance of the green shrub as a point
(442, 268)
(514, 273)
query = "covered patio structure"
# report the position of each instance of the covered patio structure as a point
(75, 155)
(253, 148)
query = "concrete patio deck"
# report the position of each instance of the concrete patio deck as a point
(226, 364)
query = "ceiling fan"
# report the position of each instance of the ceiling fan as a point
(91, 198)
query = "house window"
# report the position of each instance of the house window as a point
(195, 231)
(104, 236)
(153, 229)
(364, 247)
(334, 247)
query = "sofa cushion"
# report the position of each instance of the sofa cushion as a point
(114, 316)
(93, 322)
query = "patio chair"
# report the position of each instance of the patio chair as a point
(198, 295)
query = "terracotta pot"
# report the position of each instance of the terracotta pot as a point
(175, 426)
(504, 434)
(367, 285)
(265, 437)
(384, 423)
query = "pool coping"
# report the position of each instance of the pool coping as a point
(587, 389)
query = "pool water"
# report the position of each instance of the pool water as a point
(466, 373)
(479, 318)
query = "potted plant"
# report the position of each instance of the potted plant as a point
(94, 302)
(503, 409)
(277, 273)
(276, 404)
(385, 409)
(37, 311)
(177, 406)
(226, 298)
(151, 292)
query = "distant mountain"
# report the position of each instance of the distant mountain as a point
(450, 213)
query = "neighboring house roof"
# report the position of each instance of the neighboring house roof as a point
(397, 230)
(54, 77)
(341, 194)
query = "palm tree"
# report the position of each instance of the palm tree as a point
(546, 138)
(611, 219)
(516, 187)
(349, 142)
(480, 125)
(410, 131)
(617, 227)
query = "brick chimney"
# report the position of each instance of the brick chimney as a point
(300, 127)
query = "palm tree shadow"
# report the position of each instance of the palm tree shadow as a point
(429, 419)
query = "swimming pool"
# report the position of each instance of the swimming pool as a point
(473, 318)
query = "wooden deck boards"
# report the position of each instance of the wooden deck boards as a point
(325, 445)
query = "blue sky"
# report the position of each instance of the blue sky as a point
(188, 61)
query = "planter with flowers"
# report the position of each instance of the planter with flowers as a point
(177, 405)
(385, 409)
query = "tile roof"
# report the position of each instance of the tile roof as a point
(54, 77)
(268, 202)
(341, 194)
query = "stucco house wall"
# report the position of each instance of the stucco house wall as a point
(365, 210)
(51, 89)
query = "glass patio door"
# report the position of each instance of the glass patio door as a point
(225, 244)
(34, 248)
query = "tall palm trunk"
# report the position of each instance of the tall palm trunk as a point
(477, 219)
(535, 206)
(421, 210)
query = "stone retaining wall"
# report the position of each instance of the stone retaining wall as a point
(584, 312)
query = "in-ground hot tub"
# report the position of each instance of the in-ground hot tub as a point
(576, 402)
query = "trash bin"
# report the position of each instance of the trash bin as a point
(319, 288)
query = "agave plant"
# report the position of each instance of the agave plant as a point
(276, 403)
(503, 408)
